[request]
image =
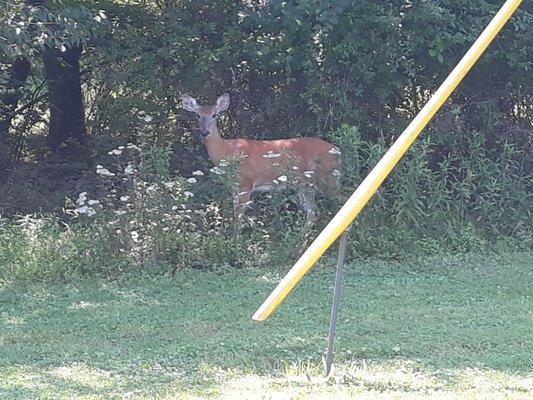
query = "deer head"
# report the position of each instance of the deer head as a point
(207, 115)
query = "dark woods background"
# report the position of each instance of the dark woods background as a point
(79, 78)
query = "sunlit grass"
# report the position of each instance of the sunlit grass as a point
(455, 327)
(400, 378)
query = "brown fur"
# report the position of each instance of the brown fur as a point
(262, 162)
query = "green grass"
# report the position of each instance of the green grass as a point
(459, 327)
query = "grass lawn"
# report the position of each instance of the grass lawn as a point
(446, 327)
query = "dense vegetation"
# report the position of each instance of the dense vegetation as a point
(96, 155)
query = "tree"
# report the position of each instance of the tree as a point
(9, 99)
(67, 124)
(54, 33)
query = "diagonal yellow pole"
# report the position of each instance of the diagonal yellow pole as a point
(368, 187)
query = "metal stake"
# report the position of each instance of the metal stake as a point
(336, 298)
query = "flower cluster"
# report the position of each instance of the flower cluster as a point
(144, 117)
(271, 154)
(216, 171)
(85, 206)
(103, 171)
(140, 212)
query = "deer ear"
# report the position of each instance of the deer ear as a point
(189, 103)
(223, 102)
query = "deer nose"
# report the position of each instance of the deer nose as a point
(202, 133)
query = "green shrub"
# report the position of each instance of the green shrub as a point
(352, 72)
(462, 203)
(42, 247)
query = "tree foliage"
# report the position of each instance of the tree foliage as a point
(354, 72)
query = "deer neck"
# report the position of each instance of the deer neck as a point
(217, 147)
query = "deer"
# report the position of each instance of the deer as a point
(312, 162)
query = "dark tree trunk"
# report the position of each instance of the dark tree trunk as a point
(12, 93)
(9, 100)
(5, 165)
(67, 134)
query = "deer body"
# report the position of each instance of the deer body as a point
(266, 165)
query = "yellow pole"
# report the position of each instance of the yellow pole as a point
(368, 187)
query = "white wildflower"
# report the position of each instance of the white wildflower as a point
(275, 182)
(151, 188)
(334, 150)
(192, 180)
(144, 117)
(165, 228)
(282, 178)
(295, 168)
(93, 202)
(128, 170)
(216, 171)
(115, 152)
(335, 172)
(223, 163)
(124, 198)
(120, 147)
(89, 211)
(81, 210)
(198, 173)
(134, 235)
(82, 197)
(168, 185)
(103, 171)
(271, 154)
(120, 212)
(309, 174)
(132, 146)
(174, 208)
(100, 16)
(188, 194)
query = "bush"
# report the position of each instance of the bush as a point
(41, 247)
(461, 203)
(139, 216)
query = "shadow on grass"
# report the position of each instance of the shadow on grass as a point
(34, 383)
